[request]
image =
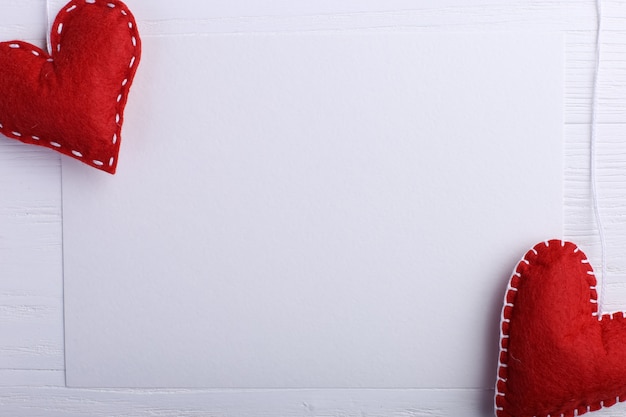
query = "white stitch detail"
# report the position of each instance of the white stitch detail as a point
(584, 261)
(500, 394)
(534, 251)
(18, 134)
(589, 272)
(547, 243)
(14, 45)
(562, 243)
(1, 126)
(120, 96)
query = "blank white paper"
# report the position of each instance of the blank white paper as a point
(318, 210)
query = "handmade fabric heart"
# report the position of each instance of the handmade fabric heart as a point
(557, 356)
(73, 100)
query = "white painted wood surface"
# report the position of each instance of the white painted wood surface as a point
(31, 279)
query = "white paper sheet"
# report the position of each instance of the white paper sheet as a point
(313, 210)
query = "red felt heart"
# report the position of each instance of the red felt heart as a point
(557, 356)
(73, 100)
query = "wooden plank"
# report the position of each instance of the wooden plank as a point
(31, 378)
(61, 402)
(611, 186)
(65, 402)
(31, 293)
(32, 337)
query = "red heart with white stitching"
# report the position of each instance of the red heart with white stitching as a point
(557, 356)
(73, 100)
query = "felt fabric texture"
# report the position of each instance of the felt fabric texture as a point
(72, 101)
(557, 356)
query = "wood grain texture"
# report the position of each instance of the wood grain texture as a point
(31, 309)
(64, 402)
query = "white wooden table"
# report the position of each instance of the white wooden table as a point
(31, 270)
